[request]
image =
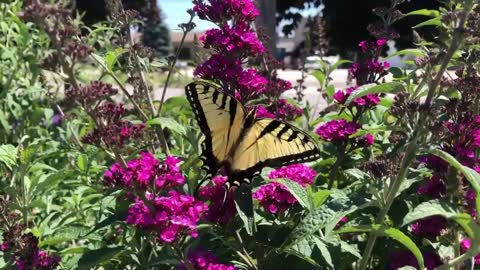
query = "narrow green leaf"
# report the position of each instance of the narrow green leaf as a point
(434, 22)
(296, 190)
(337, 64)
(391, 87)
(169, 123)
(95, 257)
(415, 52)
(424, 12)
(82, 162)
(393, 233)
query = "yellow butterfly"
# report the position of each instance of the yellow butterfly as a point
(240, 143)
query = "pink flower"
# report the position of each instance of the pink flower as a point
(465, 245)
(145, 172)
(205, 260)
(169, 216)
(337, 130)
(274, 197)
(221, 11)
(219, 211)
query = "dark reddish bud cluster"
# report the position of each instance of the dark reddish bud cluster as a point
(77, 51)
(111, 129)
(19, 247)
(91, 94)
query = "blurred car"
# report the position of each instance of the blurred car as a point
(312, 62)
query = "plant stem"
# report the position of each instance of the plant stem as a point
(336, 166)
(412, 148)
(402, 173)
(172, 65)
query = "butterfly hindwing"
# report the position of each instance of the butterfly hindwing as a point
(220, 117)
(270, 143)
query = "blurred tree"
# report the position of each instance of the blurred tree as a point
(155, 32)
(346, 21)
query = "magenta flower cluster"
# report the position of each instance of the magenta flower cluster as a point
(368, 101)
(275, 197)
(145, 173)
(339, 131)
(222, 11)
(238, 39)
(232, 43)
(205, 260)
(369, 69)
(219, 211)
(169, 216)
(465, 245)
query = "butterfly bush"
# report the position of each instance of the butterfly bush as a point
(233, 43)
(169, 216)
(205, 260)
(275, 197)
(21, 247)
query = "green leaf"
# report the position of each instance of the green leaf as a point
(118, 216)
(244, 205)
(415, 52)
(337, 64)
(296, 190)
(95, 257)
(303, 250)
(111, 57)
(393, 233)
(319, 218)
(322, 246)
(472, 176)
(8, 155)
(169, 123)
(435, 22)
(320, 197)
(82, 162)
(424, 12)
(320, 76)
(427, 209)
(391, 87)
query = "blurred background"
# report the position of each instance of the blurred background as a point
(299, 32)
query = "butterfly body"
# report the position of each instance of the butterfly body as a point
(240, 143)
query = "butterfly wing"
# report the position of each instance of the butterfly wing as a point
(270, 143)
(221, 119)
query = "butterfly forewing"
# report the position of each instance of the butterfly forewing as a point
(220, 117)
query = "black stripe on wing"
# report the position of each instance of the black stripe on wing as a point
(210, 163)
